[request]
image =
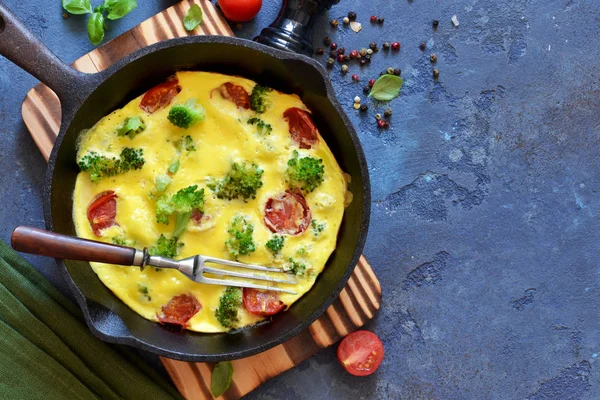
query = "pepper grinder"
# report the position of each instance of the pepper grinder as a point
(292, 29)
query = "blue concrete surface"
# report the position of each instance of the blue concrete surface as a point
(485, 214)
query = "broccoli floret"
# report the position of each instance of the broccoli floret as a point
(242, 181)
(143, 289)
(317, 228)
(162, 182)
(295, 267)
(182, 204)
(186, 115)
(305, 173)
(240, 240)
(258, 99)
(262, 128)
(229, 304)
(123, 241)
(131, 127)
(100, 166)
(166, 247)
(186, 143)
(275, 244)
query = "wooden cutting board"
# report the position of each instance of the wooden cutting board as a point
(357, 303)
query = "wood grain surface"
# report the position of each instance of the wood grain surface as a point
(357, 303)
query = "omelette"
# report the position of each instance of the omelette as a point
(217, 165)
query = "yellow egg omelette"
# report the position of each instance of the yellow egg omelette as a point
(217, 165)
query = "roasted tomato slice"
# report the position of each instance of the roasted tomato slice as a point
(197, 216)
(160, 95)
(102, 211)
(360, 353)
(179, 310)
(236, 94)
(301, 127)
(287, 213)
(262, 303)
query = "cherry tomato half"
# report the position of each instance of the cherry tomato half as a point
(240, 10)
(287, 213)
(360, 353)
(102, 211)
(262, 303)
(179, 310)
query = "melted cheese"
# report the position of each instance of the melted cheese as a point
(222, 138)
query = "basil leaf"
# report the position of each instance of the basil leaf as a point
(386, 88)
(119, 8)
(221, 378)
(77, 6)
(96, 28)
(192, 18)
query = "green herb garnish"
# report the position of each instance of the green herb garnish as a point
(386, 88)
(192, 18)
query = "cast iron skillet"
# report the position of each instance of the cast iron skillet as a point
(86, 98)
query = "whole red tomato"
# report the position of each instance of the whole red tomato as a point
(240, 10)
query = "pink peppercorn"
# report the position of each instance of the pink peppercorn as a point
(340, 58)
(334, 46)
(381, 123)
(395, 46)
(373, 18)
(371, 82)
(355, 78)
(354, 54)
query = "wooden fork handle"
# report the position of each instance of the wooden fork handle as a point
(51, 244)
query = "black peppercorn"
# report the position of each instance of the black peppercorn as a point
(352, 16)
(367, 58)
(435, 23)
(320, 51)
(366, 89)
(341, 50)
(363, 62)
(436, 72)
(422, 46)
(386, 45)
(387, 112)
(334, 23)
(364, 107)
(332, 53)
(380, 20)
(346, 57)
(433, 58)
(326, 40)
(373, 46)
(397, 71)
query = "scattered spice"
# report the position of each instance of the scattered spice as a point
(334, 23)
(346, 20)
(381, 123)
(356, 106)
(354, 54)
(341, 50)
(340, 58)
(366, 89)
(320, 51)
(454, 20)
(396, 46)
(369, 52)
(387, 112)
(436, 72)
(380, 20)
(344, 69)
(368, 58)
(433, 58)
(330, 62)
(357, 99)
(346, 57)
(390, 71)
(378, 116)
(333, 45)
(386, 45)
(355, 78)
(373, 46)
(423, 46)
(371, 82)
(363, 62)
(363, 52)
(397, 71)
(364, 107)
(373, 18)
(355, 26)
(332, 53)
(326, 40)
(435, 23)
(351, 15)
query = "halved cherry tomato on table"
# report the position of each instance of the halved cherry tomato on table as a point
(287, 213)
(179, 310)
(360, 353)
(263, 303)
(102, 211)
(301, 127)
(240, 10)
(160, 95)
(236, 94)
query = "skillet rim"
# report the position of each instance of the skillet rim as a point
(92, 81)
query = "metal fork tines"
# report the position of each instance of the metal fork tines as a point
(196, 269)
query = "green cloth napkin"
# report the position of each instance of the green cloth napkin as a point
(47, 351)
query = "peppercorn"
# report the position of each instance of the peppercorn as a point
(378, 117)
(387, 112)
(332, 53)
(373, 18)
(354, 54)
(355, 78)
(340, 58)
(435, 23)
(346, 20)
(326, 40)
(367, 58)
(333, 46)
(363, 62)
(363, 52)
(380, 20)
(356, 106)
(372, 45)
(390, 71)
(334, 23)
(330, 62)
(346, 57)
(422, 46)
(436, 72)
(396, 46)
(364, 107)
(433, 58)
(352, 16)
(357, 99)
(341, 50)
(320, 51)
(366, 89)
(371, 82)
(380, 123)
(386, 45)
(369, 52)
(344, 68)
(397, 71)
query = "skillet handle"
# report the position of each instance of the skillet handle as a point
(21, 47)
(51, 244)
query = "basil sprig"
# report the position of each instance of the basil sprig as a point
(114, 9)
(192, 18)
(386, 88)
(222, 376)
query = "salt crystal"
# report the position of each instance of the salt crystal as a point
(355, 26)
(455, 20)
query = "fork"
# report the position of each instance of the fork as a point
(52, 244)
